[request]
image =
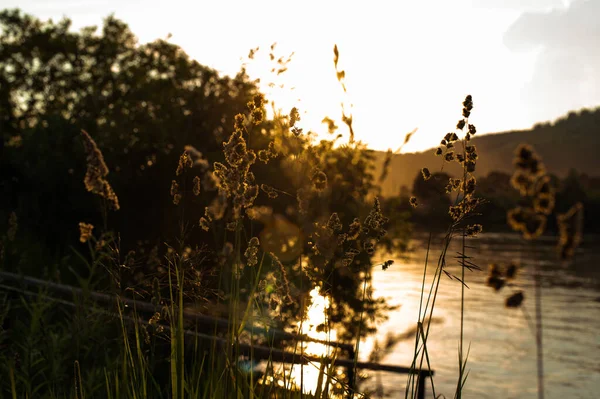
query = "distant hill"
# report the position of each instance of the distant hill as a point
(570, 142)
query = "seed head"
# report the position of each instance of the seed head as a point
(534, 226)
(250, 194)
(185, 162)
(294, 116)
(469, 186)
(206, 219)
(515, 300)
(511, 270)
(369, 247)
(85, 231)
(239, 122)
(284, 278)
(259, 100)
(374, 222)
(174, 187)
(544, 186)
(474, 230)
(495, 282)
(272, 150)
(570, 226)
(387, 264)
(354, 230)
(470, 165)
(334, 224)
(456, 212)
(97, 170)
(495, 279)
(472, 156)
(495, 270)
(297, 131)
(522, 182)
(468, 103)
(426, 174)
(319, 180)
(527, 160)
(257, 116)
(303, 196)
(263, 156)
(252, 251)
(270, 191)
(197, 183)
(543, 204)
(235, 149)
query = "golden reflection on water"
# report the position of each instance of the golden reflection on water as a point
(308, 375)
(404, 320)
(502, 349)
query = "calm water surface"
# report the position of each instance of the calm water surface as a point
(502, 359)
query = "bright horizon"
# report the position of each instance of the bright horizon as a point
(407, 65)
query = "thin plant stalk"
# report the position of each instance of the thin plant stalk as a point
(539, 329)
(462, 290)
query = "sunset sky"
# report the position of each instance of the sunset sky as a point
(408, 64)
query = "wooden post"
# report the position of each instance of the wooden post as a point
(350, 373)
(421, 385)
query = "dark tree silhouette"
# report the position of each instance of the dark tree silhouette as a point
(141, 103)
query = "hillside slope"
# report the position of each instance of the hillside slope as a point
(571, 142)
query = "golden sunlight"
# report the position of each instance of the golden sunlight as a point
(315, 317)
(287, 233)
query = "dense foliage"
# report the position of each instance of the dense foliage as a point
(312, 205)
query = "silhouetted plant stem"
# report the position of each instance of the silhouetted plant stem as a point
(462, 290)
(538, 330)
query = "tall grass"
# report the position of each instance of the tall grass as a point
(164, 355)
(530, 219)
(151, 357)
(461, 211)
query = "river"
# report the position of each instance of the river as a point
(502, 357)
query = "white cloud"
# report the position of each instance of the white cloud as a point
(517, 4)
(567, 71)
